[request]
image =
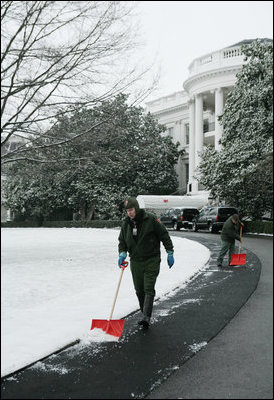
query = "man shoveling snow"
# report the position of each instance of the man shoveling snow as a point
(141, 235)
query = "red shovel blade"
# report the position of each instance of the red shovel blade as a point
(238, 259)
(113, 327)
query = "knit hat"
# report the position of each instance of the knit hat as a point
(131, 202)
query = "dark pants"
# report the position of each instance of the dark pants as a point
(144, 274)
(226, 247)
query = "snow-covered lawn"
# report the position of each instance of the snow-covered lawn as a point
(55, 281)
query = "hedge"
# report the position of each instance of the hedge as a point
(258, 227)
(96, 223)
(20, 224)
(249, 227)
(63, 224)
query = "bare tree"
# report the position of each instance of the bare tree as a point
(58, 55)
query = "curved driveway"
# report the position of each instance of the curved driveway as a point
(210, 314)
(238, 362)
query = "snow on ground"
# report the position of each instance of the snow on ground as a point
(55, 281)
(260, 234)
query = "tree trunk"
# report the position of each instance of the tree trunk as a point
(91, 212)
(83, 210)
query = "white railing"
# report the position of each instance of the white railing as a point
(215, 60)
(236, 52)
(174, 98)
(206, 60)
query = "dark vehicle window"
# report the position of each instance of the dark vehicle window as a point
(226, 212)
(189, 214)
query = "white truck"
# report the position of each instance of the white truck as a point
(159, 203)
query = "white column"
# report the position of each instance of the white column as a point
(219, 107)
(191, 148)
(179, 138)
(9, 218)
(183, 134)
(199, 134)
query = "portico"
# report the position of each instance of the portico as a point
(194, 111)
(201, 131)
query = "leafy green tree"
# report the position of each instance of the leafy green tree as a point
(242, 172)
(126, 154)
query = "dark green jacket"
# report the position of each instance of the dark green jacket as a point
(150, 234)
(230, 231)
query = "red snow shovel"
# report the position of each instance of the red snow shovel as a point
(238, 259)
(113, 327)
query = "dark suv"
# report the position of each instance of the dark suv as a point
(178, 218)
(212, 218)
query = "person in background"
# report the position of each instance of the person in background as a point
(140, 236)
(229, 233)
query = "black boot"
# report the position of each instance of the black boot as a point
(141, 298)
(147, 311)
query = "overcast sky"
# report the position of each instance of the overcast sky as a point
(176, 32)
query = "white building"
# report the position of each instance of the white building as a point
(190, 115)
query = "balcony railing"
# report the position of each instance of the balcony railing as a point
(232, 52)
(217, 59)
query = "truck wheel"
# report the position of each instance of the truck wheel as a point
(211, 228)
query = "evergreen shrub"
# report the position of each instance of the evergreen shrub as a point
(249, 226)
(20, 224)
(258, 227)
(82, 224)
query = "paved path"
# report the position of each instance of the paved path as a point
(238, 362)
(144, 363)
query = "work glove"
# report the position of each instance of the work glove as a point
(122, 257)
(170, 258)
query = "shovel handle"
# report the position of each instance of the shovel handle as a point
(123, 266)
(240, 242)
